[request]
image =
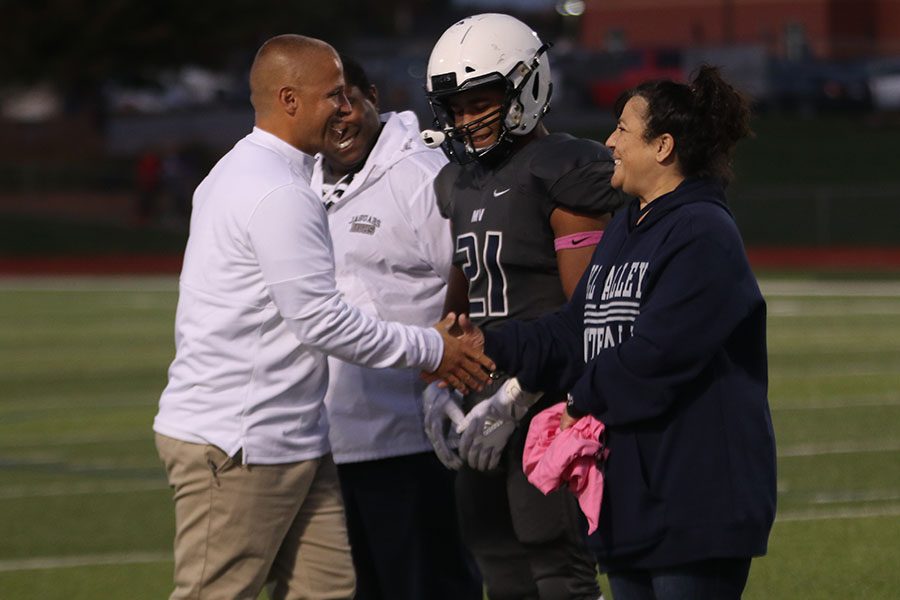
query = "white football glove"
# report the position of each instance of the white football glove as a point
(441, 406)
(487, 427)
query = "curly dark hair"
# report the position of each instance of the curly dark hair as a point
(706, 118)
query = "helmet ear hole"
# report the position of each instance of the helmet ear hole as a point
(514, 115)
(470, 69)
(536, 87)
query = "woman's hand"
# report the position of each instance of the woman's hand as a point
(566, 420)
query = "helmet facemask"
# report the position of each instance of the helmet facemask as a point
(459, 144)
(523, 80)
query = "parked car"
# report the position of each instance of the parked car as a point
(884, 83)
(632, 67)
(814, 86)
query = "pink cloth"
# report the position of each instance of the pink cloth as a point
(553, 458)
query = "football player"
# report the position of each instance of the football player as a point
(526, 209)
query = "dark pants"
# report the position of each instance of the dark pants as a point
(718, 579)
(403, 529)
(527, 545)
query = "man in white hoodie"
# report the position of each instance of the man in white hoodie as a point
(241, 427)
(392, 259)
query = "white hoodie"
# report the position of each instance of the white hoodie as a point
(393, 252)
(257, 308)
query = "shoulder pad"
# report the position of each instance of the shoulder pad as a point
(575, 172)
(443, 188)
(555, 159)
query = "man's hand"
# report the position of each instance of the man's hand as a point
(441, 407)
(464, 364)
(468, 332)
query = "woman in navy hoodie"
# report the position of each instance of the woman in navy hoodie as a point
(665, 342)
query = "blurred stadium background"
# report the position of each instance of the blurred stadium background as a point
(111, 112)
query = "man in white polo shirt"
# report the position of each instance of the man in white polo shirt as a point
(240, 426)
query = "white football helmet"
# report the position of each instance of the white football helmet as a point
(488, 49)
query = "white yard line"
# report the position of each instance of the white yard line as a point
(770, 287)
(863, 512)
(803, 450)
(68, 404)
(76, 440)
(874, 401)
(843, 288)
(89, 284)
(854, 496)
(78, 489)
(130, 558)
(795, 308)
(83, 560)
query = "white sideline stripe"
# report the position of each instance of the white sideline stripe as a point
(776, 309)
(17, 492)
(770, 287)
(69, 404)
(846, 288)
(89, 284)
(865, 402)
(126, 558)
(75, 440)
(83, 560)
(841, 513)
(801, 450)
(854, 496)
(827, 372)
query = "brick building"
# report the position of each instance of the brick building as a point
(790, 29)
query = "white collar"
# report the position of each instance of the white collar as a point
(294, 155)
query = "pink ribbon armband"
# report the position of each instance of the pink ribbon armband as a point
(578, 240)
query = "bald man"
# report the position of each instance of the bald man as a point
(241, 428)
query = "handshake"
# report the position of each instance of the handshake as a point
(482, 433)
(464, 365)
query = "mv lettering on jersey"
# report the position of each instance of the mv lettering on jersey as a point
(610, 321)
(477, 215)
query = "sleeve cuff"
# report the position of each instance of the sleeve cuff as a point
(434, 349)
(492, 347)
(583, 400)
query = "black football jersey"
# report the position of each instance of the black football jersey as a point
(500, 218)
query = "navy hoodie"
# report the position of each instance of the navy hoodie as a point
(664, 340)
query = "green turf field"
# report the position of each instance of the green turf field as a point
(85, 512)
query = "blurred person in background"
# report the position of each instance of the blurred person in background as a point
(392, 260)
(241, 426)
(526, 209)
(665, 342)
(149, 183)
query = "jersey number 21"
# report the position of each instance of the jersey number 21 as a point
(488, 260)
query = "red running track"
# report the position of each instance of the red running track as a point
(834, 258)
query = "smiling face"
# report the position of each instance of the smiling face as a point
(353, 136)
(635, 158)
(322, 102)
(479, 103)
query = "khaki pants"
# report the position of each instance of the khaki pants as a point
(239, 526)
